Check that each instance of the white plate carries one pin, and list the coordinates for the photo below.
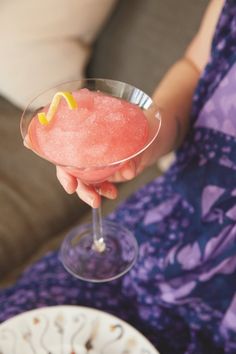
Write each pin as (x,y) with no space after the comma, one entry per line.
(70,330)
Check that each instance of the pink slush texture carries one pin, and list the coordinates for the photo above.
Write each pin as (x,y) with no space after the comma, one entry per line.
(102,130)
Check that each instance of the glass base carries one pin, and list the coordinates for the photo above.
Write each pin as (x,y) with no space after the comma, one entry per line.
(81,259)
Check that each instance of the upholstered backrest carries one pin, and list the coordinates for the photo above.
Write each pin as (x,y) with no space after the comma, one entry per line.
(143,38)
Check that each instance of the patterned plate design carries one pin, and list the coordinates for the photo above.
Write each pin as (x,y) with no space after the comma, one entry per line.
(70,330)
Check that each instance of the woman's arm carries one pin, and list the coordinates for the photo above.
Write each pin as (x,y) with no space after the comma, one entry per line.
(174,97)
(174,93)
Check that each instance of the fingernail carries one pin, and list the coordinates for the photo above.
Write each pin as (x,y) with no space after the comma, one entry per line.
(93,203)
(98,190)
(129,172)
(26,142)
(111,193)
(68,187)
(86,198)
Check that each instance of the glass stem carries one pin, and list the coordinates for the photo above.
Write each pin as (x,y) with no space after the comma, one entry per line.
(98,240)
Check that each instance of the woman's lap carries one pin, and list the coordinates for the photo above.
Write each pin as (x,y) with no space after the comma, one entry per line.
(46,283)
(171,324)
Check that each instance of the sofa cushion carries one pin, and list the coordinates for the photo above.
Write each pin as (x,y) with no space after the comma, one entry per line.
(33,205)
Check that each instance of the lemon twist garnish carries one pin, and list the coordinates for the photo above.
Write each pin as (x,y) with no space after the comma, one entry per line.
(71,102)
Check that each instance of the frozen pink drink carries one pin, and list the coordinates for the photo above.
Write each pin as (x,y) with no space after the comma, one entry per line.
(100,131)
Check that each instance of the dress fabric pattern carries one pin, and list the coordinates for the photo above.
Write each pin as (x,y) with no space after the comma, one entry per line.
(181,293)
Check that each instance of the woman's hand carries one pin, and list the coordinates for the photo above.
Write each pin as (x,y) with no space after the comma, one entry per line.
(88,193)
(91,195)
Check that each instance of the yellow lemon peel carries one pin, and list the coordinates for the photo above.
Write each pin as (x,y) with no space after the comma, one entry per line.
(44,118)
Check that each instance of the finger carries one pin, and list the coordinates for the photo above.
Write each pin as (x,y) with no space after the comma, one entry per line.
(128,171)
(88,194)
(27,142)
(125,173)
(68,182)
(108,190)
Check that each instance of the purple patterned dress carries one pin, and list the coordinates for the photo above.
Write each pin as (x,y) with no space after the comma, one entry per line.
(182,291)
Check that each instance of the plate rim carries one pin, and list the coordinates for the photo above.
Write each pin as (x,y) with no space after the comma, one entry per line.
(83,308)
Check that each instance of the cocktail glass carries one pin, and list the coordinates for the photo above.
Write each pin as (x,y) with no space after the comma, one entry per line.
(103,250)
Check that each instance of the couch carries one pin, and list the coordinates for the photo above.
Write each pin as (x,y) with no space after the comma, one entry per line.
(139,42)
